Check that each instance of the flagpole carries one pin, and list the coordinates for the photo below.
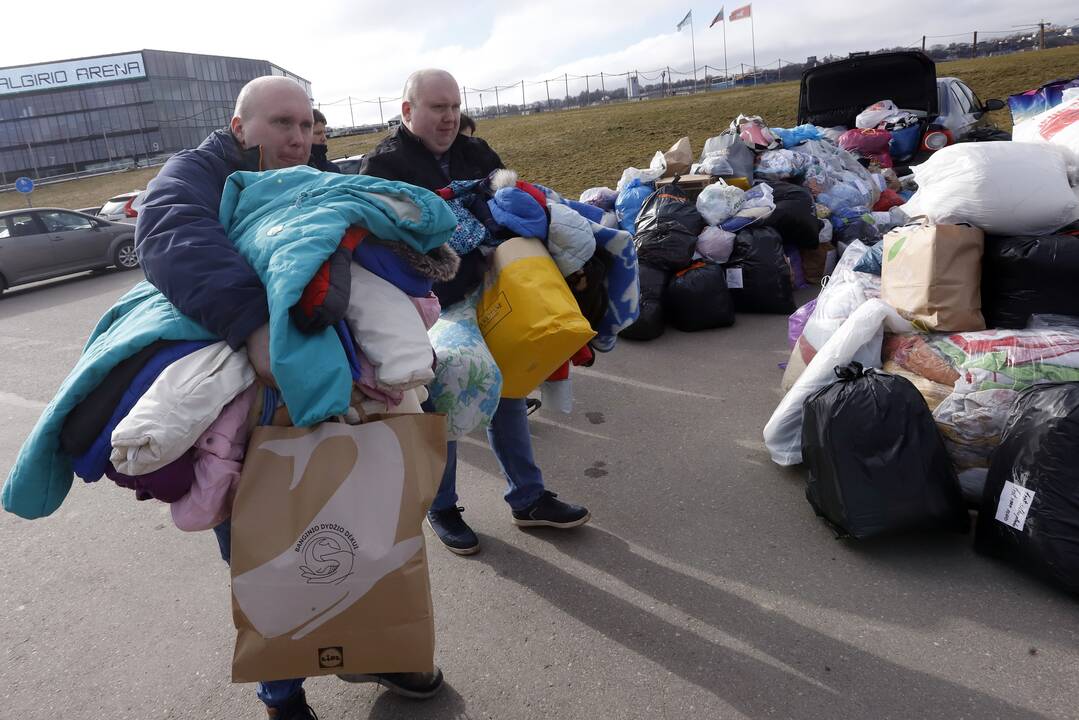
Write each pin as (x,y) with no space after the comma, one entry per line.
(726,72)
(693,50)
(753,38)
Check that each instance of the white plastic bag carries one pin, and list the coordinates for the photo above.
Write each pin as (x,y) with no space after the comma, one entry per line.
(645,176)
(875,114)
(859,340)
(716,244)
(1004,188)
(719,201)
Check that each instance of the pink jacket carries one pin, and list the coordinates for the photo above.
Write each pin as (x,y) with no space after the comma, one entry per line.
(219,455)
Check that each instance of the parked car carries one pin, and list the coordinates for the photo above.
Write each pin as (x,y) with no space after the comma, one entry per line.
(120,208)
(90,210)
(42,243)
(349,165)
(834,93)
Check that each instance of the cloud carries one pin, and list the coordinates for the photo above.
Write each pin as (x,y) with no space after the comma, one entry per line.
(366,49)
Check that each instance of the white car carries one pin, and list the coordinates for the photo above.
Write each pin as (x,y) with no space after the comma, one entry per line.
(120,208)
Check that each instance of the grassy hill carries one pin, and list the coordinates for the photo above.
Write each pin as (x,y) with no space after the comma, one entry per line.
(576,149)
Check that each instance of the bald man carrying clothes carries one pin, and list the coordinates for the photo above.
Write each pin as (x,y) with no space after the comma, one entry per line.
(186,254)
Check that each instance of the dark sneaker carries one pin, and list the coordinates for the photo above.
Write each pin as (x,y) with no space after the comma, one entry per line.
(549,511)
(453,531)
(416,686)
(532,405)
(295,708)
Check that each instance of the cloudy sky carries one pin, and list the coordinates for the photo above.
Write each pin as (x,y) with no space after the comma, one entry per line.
(365,49)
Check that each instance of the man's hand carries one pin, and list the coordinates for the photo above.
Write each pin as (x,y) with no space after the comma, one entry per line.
(258,352)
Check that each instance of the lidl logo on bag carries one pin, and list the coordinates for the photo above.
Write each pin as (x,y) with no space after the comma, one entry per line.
(498,311)
(328,553)
(331,657)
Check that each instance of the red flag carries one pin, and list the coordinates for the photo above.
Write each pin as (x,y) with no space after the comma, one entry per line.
(717,18)
(741,13)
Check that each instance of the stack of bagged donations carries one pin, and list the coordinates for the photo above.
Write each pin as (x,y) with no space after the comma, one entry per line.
(938,369)
(358,341)
(761,214)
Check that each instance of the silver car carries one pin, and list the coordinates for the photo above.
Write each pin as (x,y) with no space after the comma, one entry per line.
(41,243)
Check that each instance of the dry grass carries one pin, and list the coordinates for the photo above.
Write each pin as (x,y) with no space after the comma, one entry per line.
(573,150)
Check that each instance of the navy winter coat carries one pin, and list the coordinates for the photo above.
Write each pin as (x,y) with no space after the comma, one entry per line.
(183,248)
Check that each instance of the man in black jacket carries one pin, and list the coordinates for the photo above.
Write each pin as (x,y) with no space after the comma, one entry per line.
(427,150)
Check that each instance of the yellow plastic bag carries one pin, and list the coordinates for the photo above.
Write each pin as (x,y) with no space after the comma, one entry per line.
(528,316)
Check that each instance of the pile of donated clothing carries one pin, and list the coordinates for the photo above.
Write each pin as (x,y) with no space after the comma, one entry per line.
(948,352)
(761,213)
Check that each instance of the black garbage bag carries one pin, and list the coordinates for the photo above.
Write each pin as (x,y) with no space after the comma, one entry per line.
(1026,275)
(667,228)
(650,323)
(758,275)
(1030,505)
(795,216)
(698,298)
(877,464)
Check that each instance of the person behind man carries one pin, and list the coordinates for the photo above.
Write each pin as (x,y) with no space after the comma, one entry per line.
(468,126)
(318,145)
(428,150)
(186,254)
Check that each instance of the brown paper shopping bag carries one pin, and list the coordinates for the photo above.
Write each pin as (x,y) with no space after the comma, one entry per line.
(329,571)
(931,275)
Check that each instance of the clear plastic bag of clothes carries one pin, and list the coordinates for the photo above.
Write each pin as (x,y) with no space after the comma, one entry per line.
(782,165)
(844,292)
(986,371)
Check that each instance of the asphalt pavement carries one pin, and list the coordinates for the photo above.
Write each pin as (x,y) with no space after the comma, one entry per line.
(704,587)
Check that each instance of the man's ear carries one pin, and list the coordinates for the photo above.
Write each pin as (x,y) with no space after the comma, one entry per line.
(237,127)
(406,112)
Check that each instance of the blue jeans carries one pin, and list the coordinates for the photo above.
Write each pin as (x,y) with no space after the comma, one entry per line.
(509,439)
(275,692)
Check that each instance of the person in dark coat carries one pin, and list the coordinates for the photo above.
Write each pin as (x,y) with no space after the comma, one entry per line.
(429,150)
(318,145)
(185,253)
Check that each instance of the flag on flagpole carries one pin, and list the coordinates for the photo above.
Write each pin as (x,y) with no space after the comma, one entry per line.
(717,18)
(741,13)
(685,20)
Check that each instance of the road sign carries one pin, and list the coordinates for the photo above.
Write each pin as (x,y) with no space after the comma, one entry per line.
(24,185)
